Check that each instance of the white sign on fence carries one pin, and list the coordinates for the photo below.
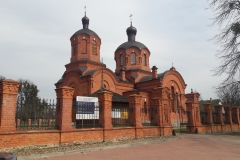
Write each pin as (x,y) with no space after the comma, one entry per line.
(87,108)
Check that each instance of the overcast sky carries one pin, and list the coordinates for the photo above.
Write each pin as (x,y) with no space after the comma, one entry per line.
(35,45)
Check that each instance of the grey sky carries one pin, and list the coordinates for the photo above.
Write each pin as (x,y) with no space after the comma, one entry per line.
(35,44)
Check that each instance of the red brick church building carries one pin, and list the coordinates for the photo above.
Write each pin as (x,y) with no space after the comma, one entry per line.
(133,74)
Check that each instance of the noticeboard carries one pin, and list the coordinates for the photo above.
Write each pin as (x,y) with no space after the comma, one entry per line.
(87,108)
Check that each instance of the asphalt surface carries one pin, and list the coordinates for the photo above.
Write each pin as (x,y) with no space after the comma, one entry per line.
(183,147)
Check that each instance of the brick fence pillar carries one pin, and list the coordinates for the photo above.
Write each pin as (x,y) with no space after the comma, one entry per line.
(158,117)
(208,117)
(105,103)
(191,115)
(228,114)
(64,108)
(161,102)
(135,102)
(193,109)
(218,109)
(235,111)
(8,102)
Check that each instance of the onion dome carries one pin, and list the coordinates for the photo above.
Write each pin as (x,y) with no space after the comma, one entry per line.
(85,30)
(85,21)
(131,32)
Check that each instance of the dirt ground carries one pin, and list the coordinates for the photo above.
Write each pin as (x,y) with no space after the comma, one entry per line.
(185,147)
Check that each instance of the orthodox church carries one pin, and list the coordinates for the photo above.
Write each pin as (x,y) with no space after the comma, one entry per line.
(133,74)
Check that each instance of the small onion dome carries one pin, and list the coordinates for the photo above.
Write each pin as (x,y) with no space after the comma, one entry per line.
(85,21)
(131,30)
(85,30)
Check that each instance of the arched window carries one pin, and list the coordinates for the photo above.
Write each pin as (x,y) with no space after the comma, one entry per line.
(121,60)
(133,58)
(144,60)
(84,46)
(94,48)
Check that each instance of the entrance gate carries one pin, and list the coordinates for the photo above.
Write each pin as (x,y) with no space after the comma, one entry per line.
(184,120)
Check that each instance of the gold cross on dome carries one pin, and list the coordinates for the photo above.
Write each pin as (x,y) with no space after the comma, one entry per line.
(85,10)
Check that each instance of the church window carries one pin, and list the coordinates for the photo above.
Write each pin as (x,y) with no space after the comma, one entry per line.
(121,60)
(94,48)
(84,46)
(133,58)
(144,60)
(75,50)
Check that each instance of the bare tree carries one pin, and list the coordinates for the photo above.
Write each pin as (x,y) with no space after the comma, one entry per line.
(229,94)
(227,16)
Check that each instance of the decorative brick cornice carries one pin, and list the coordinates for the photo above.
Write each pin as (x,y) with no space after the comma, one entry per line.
(157,92)
(207,106)
(105,96)
(160,92)
(134,99)
(155,101)
(9,86)
(192,97)
(227,108)
(218,107)
(64,92)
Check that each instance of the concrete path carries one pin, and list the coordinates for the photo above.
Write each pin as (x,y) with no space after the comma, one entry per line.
(188,146)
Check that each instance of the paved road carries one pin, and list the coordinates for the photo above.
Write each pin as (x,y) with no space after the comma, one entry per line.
(188,146)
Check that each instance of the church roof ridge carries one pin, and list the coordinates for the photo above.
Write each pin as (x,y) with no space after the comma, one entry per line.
(129,44)
(85,31)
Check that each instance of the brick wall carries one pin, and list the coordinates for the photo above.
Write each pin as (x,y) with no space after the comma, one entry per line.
(10,137)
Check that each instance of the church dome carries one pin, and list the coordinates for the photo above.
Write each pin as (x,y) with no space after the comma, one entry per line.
(131,32)
(129,44)
(85,30)
(85,20)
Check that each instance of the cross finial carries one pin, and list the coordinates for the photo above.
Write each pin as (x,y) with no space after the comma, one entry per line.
(172,64)
(85,10)
(131,18)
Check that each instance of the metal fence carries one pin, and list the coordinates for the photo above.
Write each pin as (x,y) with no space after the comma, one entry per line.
(40,115)
(225,118)
(203,116)
(234,117)
(215,118)
(86,115)
(147,114)
(121,114)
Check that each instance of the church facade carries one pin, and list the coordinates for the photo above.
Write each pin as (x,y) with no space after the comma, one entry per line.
(133,74)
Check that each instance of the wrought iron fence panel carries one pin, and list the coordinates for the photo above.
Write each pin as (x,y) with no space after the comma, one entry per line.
(215,117)
(184,123)
(234,117)
(121,114)
(147,114)
(188,116)
(203,117)
(36,116)
(86,115)
(225,117)
(184,113)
